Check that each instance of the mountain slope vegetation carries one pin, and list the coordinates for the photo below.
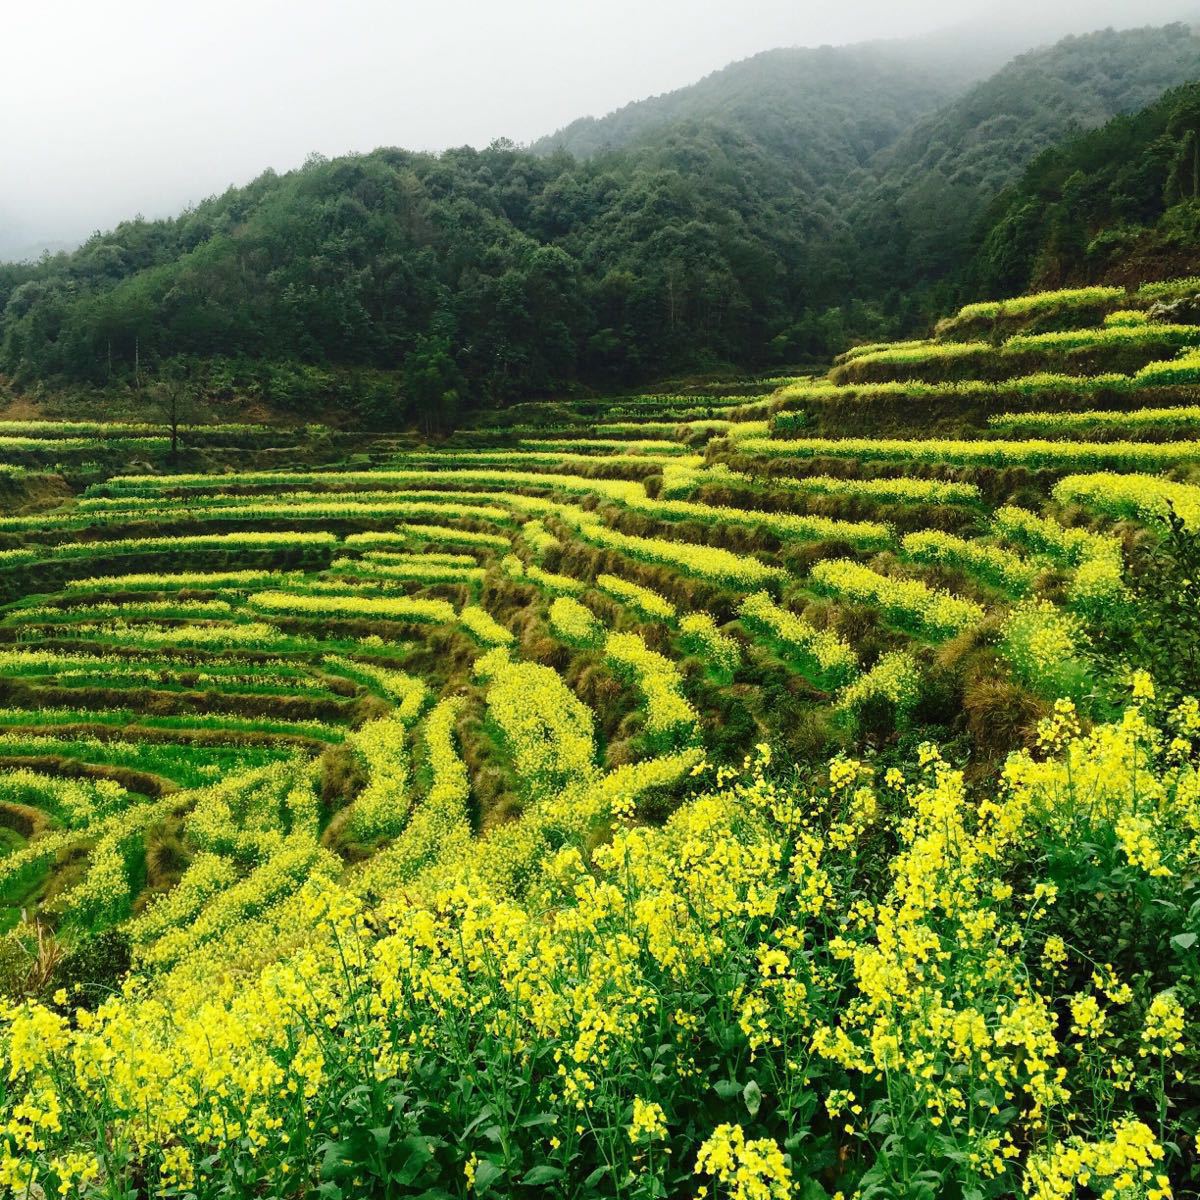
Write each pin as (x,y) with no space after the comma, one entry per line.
(934,184)
(1114,203)
(801,101)
(780,210)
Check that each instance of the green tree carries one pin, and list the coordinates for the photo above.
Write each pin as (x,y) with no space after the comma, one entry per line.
(1184,182)
(433,384)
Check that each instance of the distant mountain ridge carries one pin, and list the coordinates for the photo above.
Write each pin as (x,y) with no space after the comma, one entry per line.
(932,186)
(763,216)
(777,81)
(951,60)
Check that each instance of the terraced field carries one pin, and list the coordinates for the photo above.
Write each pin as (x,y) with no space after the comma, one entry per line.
(304,682)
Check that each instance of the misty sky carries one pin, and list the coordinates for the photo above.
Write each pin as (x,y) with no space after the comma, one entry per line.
(116,107)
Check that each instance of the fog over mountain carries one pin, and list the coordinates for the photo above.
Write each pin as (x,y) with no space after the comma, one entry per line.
(138,107)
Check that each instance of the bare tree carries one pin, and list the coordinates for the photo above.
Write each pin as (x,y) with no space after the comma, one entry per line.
(174,397)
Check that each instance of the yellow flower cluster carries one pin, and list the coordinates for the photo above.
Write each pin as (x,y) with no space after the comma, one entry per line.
(699,635)
(208,875)
(1125,1164)
(1098,584)
(575,623)
(485,627)
(153,582)
(1145,497)
(1163,1030)
(702,562)
(538,538)
(1143,333)
(817,652)
(1063,300)
(174,546)
(1127,316)
(670,716)
(1031,452)
(450,787)
(549,732)
(1046,647)
(649,1121)
(894,680)
(998,567)
(884,491)
(414,569)
(643,600)
(381,808)
(1185,417)
(409,532)
(354,607)
(410,693)
(737,941)
(907,601)
(74,802)
(562,585)
(748,1169)
(866,535)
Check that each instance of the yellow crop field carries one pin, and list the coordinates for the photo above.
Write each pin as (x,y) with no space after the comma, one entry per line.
(730,807)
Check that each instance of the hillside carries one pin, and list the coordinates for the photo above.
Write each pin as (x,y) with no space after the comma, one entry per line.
(932,187)
(739,788)
(781,212)
(1114,204)
(798,101)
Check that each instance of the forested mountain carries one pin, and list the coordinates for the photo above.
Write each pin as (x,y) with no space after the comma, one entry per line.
(935,182)
(788,203)
(818,104)
(493,270)
(1118,202)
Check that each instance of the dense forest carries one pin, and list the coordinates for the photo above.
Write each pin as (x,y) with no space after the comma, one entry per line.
(933,186)
(1118,202)
(781,207)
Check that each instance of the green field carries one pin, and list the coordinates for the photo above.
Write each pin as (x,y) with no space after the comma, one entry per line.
(793,794)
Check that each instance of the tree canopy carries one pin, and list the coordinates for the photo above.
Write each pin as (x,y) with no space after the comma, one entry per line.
(777,209)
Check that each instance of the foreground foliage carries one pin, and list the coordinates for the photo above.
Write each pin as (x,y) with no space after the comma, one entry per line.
(882,981)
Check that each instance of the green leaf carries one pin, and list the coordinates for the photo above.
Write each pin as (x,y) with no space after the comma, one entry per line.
(543,1174)
(486,1173)
(419,1153)
(538,1119)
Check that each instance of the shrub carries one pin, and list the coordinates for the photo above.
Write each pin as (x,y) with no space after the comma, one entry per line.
(1047,649)
(818,653)
(575,624)
(906,601)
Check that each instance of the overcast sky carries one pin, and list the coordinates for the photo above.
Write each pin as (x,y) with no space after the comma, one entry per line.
(113,107)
